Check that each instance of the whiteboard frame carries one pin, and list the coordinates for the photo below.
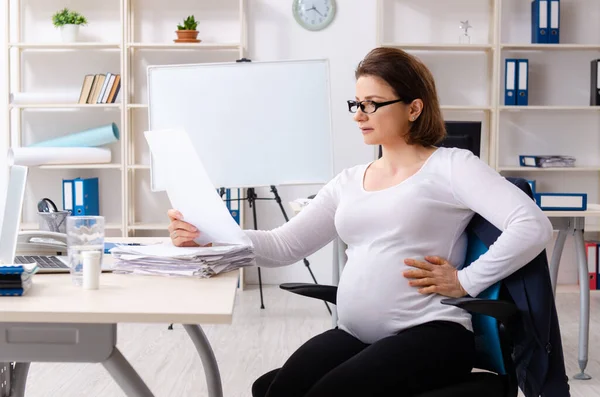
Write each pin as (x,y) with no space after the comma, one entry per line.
(151,68)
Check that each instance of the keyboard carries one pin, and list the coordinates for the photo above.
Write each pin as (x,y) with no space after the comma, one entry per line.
(44,262)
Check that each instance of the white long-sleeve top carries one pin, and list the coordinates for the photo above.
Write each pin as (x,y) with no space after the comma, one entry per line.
(425,214)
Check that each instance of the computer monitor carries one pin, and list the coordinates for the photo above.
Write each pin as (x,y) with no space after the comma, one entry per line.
(464,135)
(461,134)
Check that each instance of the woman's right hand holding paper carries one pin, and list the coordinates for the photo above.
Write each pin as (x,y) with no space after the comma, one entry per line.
(182,233)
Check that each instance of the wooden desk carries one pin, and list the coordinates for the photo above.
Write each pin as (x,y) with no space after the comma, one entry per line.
(59,322)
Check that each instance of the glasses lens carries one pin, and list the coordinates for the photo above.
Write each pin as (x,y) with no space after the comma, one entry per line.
(368,107)
(352,106)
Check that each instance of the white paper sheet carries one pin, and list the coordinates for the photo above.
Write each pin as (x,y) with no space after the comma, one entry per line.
(32,156)
(190,190)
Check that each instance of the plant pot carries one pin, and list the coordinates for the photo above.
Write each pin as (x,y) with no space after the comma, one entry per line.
(69,33)
(187,36)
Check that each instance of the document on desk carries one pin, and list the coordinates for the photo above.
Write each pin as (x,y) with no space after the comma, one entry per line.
(190,190)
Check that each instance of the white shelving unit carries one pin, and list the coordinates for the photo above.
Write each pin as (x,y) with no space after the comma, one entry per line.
(558,119)
(122,36)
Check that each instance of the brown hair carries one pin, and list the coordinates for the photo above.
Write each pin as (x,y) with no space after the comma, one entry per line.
(410,79)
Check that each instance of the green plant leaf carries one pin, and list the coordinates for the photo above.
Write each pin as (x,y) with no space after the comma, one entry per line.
(68,17)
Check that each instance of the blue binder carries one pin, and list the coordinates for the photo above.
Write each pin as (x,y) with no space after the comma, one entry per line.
(539,21)
(532,185)
(522,82)
(554,21)
(233,203)
(510,82)
(85,197)
(67,199)
(562,201)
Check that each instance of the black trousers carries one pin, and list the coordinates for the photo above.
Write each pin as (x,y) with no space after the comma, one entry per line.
(334,363)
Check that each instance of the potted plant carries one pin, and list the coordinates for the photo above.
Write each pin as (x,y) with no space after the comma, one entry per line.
(68,21)
(187,32)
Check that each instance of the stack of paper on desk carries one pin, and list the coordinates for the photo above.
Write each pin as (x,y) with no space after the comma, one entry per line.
(169,260)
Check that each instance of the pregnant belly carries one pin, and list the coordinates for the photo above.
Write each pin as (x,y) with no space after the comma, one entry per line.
(373,302)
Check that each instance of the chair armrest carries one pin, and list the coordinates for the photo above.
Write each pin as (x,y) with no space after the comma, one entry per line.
(499,309)
(327,293)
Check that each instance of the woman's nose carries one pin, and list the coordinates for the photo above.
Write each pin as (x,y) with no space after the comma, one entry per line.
(360,115)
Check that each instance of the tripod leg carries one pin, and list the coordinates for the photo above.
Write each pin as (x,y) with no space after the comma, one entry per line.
(252,202)
(306,263)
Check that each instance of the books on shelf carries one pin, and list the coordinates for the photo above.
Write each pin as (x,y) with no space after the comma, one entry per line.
(100,88)
(546,161)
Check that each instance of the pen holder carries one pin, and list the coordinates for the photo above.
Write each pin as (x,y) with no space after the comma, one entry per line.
(53,221)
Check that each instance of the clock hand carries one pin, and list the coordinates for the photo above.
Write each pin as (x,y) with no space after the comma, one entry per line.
(317,11)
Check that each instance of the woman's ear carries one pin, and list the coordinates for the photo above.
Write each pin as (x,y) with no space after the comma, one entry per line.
(415,109)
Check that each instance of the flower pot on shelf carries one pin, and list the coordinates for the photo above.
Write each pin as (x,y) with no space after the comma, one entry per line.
(69,33)
(186,36)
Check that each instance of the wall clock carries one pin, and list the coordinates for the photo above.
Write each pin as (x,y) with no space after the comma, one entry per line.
(314,14)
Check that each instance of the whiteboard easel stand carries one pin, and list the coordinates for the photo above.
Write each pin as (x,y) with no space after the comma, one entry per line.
(252,197)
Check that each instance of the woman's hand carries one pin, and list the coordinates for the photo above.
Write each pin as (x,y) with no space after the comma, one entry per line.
(436,275)
(182,233)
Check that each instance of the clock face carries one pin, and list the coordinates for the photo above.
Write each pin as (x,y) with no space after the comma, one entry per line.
(314,14)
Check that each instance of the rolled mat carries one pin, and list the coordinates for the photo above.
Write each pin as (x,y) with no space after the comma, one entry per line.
(98,136)
(57,155)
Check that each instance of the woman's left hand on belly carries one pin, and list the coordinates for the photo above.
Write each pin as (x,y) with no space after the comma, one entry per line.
(436,276)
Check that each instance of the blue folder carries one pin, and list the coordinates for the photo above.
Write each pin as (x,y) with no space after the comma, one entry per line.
(554,21)
(510,82)
(539,21)
(562,201)
(85,197)
(522,82)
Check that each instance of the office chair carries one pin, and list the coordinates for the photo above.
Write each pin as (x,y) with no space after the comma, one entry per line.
(492,312)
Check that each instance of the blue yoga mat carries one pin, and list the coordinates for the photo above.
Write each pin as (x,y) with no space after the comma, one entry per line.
(98,136)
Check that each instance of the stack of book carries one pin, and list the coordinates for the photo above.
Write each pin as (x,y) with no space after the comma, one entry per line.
(100,88)
(16,280)
(547,161)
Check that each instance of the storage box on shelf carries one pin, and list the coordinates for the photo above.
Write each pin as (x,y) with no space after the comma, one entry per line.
(123,37)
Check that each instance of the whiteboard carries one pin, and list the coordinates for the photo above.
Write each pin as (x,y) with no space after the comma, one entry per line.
(252,123)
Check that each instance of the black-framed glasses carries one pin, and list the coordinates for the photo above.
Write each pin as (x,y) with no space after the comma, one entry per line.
(368,106)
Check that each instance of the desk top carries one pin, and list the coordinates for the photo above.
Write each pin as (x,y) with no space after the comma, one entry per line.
(124,298)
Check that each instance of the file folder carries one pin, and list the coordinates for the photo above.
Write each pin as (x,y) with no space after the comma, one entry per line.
(510,82)
(522,82)
(561,201)
(595,83)
(554,21)
(539,21)
(67,189)
(85,197)
(233,203)
(591,250)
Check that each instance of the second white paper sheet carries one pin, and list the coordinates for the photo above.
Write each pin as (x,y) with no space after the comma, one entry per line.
(190,190)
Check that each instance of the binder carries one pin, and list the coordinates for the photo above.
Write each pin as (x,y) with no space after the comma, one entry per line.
(85,197)
(561,201)
(539,21)
(232,199)
(591,251)
(554,21)
(510,82)
(522,82)
(67,199)
(595,83)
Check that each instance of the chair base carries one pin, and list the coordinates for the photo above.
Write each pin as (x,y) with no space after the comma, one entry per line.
(478,384)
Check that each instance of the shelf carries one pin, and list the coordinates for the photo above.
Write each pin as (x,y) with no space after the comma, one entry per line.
(35,226)
(474,108)
(550,47)
(138,167)
(65,46)
(185,46)
(440,47)
(550,108)
(149,226)
(554,169)
(79,166)
(67,106)
(137,106)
